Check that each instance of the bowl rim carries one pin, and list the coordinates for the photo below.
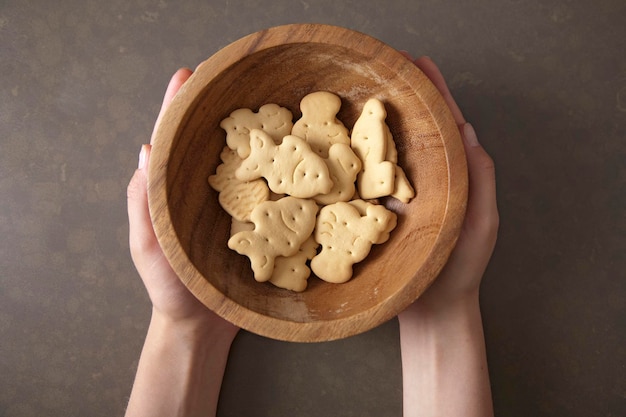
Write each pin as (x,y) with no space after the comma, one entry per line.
(273,327)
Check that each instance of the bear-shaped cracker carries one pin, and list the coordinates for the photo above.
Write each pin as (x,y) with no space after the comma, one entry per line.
(346,236)
(280,228)
(273,119)
(319,125)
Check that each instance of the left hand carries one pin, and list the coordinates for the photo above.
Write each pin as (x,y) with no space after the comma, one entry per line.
(170,298)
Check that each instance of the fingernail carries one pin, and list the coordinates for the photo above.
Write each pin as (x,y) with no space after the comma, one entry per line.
(406,54)
(142,157)
(470,135)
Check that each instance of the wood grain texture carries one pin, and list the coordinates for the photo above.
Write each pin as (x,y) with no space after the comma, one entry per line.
(281,65)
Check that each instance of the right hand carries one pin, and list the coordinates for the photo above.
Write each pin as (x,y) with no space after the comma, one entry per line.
(462,274)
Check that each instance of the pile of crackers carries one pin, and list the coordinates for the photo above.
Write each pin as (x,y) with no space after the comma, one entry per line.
(292,188)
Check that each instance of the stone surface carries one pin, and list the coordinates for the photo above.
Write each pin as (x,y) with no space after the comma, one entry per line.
(544,83)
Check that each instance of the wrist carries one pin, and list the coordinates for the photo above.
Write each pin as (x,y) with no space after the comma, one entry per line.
(181,367)
(203,331)
(444,363)
(435,308)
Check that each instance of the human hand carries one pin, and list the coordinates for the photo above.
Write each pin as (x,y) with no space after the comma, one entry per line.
(186,349)
(461,276)
(171,300)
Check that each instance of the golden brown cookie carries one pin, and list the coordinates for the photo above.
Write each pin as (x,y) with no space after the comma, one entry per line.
(319,125)
(290,168)
(291,272)
(236,197)
(280,228)
(276,121)
(346,237)
(369,141)
(343,167)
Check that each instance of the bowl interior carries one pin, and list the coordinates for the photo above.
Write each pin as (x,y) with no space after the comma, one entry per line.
(193,229)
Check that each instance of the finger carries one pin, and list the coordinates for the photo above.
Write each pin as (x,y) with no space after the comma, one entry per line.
(141,236)
(482,207)
(141,233)
(177,81)
(430,69)
(482,196)
(407,55)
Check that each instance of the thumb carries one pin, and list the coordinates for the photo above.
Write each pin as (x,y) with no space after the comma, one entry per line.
(482,208)
(176,82)
(141,234)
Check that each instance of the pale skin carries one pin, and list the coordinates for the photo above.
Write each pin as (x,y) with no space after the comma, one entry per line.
(444,361)
(184,355)
(443,351)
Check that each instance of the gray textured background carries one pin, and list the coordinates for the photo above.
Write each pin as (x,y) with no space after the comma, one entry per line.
(544,83)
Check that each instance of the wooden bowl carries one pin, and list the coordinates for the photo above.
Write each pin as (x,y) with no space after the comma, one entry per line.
(281,65)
